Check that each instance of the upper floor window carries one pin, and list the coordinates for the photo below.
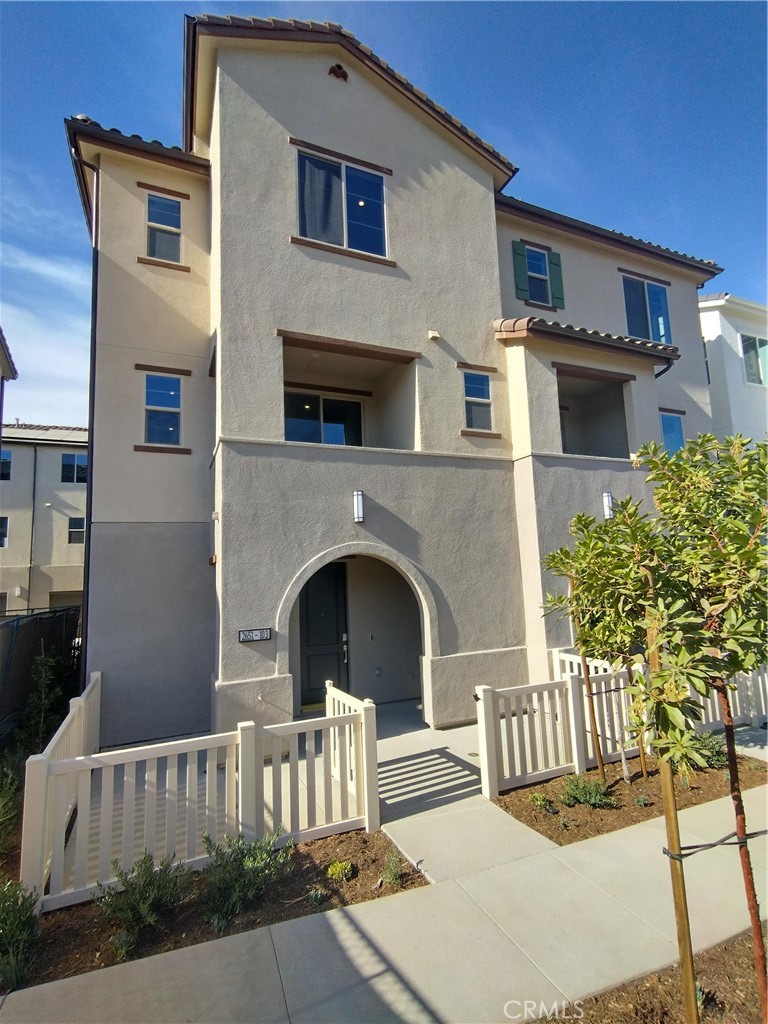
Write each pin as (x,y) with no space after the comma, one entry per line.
(755,359)
(477,401)
(76,530)
(3,531)
(647,310)
(322,420)
(341,205)
(5,464)
(162,423)
(74,468)
(163,228)
(538,275)
(672,430)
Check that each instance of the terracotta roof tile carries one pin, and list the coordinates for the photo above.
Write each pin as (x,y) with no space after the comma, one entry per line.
(522,325)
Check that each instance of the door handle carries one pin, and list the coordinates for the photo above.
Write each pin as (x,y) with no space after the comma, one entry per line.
(344,651)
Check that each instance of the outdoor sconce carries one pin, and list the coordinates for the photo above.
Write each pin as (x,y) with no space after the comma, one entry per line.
(607,505)
(357,507)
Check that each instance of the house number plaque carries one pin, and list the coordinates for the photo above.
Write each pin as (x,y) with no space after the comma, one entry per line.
(246,635)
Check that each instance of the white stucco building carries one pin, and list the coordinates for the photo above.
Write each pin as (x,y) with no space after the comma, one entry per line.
(735,333)
(347,394)
(43,484)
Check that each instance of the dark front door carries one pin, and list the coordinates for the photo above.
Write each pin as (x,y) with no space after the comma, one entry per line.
(323,615)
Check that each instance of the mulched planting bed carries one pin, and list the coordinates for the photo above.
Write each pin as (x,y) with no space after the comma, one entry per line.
(77,939)
(572,824)
(725,975)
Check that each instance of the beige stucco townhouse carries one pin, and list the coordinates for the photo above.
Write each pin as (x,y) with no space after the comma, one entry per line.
(346,394)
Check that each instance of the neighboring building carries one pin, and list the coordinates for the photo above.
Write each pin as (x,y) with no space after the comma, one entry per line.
(8,371)
(42,516)
(337,395)
(735,333)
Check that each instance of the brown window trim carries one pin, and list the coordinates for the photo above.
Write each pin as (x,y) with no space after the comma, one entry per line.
(163,263)
(539,305)
(324,387)
(536,245)
(338,156)
(480,433)
(340,250)
(644,277)
(590,373)
(161,449)
(162,190)
(212,560)
(162,369)
(673,412)
(318,343)
(476,366)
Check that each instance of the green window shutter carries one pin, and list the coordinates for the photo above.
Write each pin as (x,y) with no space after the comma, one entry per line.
(521,270)
(556,280)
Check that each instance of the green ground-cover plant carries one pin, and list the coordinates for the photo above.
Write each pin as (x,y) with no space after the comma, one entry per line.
(19,931)
(392,872)
(238,872)
(341,870)
(591,792)
(713,749)
(316,897)
(142,895)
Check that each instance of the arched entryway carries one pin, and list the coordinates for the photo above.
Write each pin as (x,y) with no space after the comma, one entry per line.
(359,620)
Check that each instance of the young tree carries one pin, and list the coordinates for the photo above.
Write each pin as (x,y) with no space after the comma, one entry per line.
(684,591)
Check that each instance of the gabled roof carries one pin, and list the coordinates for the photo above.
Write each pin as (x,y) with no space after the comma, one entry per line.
(511,329)
(8,369)
(326,33)
(559,221)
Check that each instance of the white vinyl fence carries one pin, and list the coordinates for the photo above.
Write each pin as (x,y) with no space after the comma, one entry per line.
(85,810)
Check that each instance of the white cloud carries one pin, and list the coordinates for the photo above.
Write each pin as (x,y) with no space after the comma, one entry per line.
(50,350)
(62,271)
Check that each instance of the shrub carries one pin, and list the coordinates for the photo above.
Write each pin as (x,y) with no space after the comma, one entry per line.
(341,870)
(590,792)
(393,870)
(539,801)
(711,746)
(9,805)
(316,897)
(237,873)
(19,929)
(643,800)
(147,893)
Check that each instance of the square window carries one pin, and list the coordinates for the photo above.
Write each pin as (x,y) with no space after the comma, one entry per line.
(77,530)
(477,401)
(341,205)
(74,468)
(672,431)
(320,420)
(647,310)
(164,229)
(162,418)
(3,531)
(5,464)
(755,352)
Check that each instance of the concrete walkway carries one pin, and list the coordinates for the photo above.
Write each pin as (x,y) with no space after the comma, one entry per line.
(511,919)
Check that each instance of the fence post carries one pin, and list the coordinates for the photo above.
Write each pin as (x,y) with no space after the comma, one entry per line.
(77,710)
(34,824)
(94,714)
(487,720)
(370,780)
(246,780)
(577,723)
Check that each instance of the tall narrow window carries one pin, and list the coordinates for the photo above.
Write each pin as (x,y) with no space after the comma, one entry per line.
(647,310)
(341,205)
(538,275)
(672,431)
(74,468)
(77,530)
(755,359)
(477,401)
(3,531)
(5,464)
(163,410)
(163,228)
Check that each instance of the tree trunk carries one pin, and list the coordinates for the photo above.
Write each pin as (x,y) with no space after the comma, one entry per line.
(629,667)
(741,832)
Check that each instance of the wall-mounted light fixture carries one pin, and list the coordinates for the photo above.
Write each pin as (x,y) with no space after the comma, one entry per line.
(607,505)
(357,507)
(17,591)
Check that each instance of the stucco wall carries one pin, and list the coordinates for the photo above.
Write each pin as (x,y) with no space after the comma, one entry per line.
(738,406)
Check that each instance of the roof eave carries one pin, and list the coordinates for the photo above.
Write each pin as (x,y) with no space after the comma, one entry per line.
(519,328)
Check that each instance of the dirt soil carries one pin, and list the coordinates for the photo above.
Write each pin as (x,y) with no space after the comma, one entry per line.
(726,978)
(77,939)
(572,824)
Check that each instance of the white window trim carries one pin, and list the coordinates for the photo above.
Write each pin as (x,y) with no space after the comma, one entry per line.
(153,225)
(539,277)
(72,529)
(162,408)
(343,164)
(4,539)
(645,283)
(678,416)
(333,396)
(477,401)
(747,381)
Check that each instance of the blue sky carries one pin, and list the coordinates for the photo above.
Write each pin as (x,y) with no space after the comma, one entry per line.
(645,117)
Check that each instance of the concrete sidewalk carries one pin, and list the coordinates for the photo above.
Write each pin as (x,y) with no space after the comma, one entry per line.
(543,925)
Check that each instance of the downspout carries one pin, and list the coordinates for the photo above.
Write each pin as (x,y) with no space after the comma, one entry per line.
(668,367)
(32,527)
(91,404)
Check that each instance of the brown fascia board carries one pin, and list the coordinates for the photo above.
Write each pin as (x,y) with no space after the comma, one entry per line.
(559,221)
(518,328)
(325,33)
(94,134)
